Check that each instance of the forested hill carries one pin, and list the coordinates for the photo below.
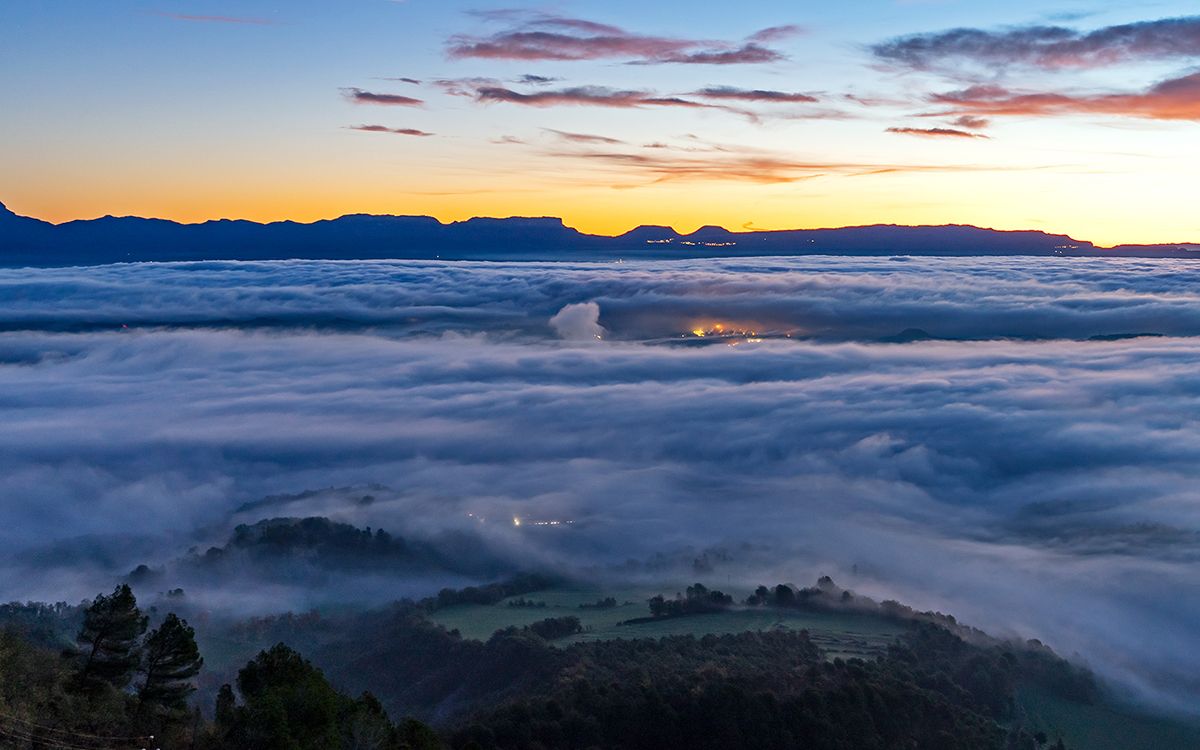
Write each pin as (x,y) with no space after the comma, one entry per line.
(30,242)
(307,550)
(101,682)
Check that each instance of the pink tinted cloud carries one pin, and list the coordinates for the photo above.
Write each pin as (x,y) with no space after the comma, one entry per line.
(936,132)
(595,96)
(971,122)
(776,33)
(584,137)
(1172,99)
(662,162)
(533,36)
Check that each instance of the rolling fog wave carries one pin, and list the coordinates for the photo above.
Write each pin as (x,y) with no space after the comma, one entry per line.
(1034,473)
(829,298)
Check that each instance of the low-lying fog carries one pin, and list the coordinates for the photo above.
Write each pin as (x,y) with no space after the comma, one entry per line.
(980,436)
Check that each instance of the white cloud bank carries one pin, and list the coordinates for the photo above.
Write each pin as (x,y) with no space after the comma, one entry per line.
(1042,485)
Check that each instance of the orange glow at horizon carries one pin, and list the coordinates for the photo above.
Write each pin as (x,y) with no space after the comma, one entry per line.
(998,201)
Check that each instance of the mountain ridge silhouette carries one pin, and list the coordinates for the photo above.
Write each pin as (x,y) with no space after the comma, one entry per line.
(26,241)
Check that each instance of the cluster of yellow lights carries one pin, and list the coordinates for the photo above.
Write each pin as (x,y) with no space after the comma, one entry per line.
(720,329)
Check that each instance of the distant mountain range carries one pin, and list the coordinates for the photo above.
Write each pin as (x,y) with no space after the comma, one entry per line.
(26,241)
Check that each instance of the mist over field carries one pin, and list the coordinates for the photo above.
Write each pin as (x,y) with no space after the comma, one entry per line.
(1011,441)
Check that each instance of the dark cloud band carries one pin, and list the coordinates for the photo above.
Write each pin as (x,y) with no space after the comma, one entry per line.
(1049,46)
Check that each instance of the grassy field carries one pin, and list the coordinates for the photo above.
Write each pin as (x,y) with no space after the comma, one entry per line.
(1103,727)
(839,635)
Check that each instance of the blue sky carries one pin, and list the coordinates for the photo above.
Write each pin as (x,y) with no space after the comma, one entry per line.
(196,110)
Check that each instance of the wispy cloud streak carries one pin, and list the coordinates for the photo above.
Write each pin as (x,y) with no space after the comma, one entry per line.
(585,137)
(538,36)
(660,163)
(936,132)
(732,93)
(596,96)
(393,131)
(359,96)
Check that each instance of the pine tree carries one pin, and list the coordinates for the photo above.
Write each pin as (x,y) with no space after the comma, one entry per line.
(288,704)
(171,660)
(108,641)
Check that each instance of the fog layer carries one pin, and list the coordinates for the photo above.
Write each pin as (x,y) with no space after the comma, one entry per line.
(1033,472)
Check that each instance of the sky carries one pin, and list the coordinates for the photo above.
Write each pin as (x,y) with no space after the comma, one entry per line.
(1074,116)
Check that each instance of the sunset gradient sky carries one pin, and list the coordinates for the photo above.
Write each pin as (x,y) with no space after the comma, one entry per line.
(1079,117)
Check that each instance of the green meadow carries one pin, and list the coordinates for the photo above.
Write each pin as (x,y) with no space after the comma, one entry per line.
(843,635)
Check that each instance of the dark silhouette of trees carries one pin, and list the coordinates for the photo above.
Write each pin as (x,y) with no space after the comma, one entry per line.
(523,603)
(697,599)
(171,659)
(492,593)
(109,645)
(289,705)
(607,602)
(553,628)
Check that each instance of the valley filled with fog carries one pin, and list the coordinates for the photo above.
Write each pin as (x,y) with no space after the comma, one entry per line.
(1012,441)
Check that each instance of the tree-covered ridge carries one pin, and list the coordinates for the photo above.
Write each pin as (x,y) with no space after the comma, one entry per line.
(312,548)
(317,540)
(754,690)
(773,689)
(825,596)
(51,625)
(933,688)
(828,596)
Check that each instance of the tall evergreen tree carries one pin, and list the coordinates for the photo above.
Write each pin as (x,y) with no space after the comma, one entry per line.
(108,642)
(171,660)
